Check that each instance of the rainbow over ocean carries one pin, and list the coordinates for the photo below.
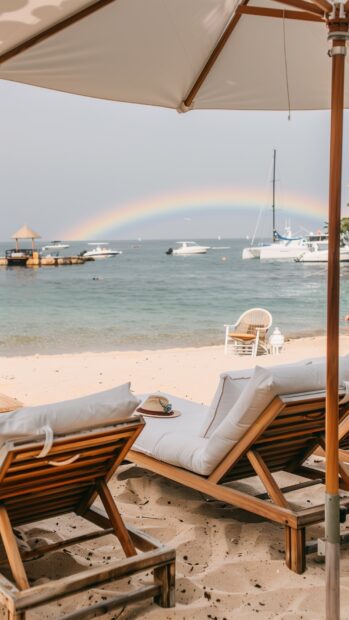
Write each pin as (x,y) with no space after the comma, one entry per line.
(203,199)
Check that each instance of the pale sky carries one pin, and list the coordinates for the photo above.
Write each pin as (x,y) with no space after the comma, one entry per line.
(65,159)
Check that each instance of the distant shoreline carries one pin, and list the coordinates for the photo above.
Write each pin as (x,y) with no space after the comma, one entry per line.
(28,351)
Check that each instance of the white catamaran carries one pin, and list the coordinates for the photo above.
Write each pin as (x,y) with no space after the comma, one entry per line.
(286,246)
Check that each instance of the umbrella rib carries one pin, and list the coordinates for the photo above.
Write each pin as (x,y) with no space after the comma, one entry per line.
(54,29)
(323,4)
(280,13)
(213,57)
(303,5)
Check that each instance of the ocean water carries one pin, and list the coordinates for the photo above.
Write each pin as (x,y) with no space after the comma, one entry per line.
(146,299)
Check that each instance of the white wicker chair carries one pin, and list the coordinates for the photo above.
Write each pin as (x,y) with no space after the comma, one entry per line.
(248,336)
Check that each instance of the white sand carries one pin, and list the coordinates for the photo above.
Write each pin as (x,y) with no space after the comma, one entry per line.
(230,564)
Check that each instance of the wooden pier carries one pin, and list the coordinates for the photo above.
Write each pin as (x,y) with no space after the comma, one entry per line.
(32,258)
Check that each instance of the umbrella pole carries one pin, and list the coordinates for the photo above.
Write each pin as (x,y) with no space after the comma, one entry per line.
(338,34)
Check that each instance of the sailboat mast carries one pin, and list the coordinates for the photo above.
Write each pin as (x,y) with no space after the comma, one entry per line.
(273,206)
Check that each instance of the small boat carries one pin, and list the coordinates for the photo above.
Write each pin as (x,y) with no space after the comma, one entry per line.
(100,252)
(56,245)
(188,248)
(318,253)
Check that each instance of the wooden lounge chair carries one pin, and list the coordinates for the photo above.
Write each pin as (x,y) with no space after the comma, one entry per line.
(69,479)
(284,435)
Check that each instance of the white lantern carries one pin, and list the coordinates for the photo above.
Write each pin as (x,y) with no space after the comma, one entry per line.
(276,341)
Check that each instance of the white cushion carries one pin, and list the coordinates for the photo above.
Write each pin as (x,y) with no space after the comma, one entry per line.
(71,415)
(228,391)
(209,451)
(188,424)
(259,391)
(180,445)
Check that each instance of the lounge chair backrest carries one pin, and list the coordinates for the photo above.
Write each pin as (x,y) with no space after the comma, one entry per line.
(266,386)
(34,488)
(230,387)
(71,415)
(296,429)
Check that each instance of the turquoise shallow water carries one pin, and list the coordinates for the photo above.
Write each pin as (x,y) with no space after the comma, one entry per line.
(145,299)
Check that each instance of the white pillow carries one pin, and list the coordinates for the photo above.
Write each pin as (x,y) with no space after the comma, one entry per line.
(231,385)
(228,391)
(71,415)
(258,393)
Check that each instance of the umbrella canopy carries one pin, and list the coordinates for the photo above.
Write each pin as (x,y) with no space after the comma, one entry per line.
(204,54)
(274,54)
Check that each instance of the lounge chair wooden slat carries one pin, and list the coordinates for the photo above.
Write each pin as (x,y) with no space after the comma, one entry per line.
(34,489)
(286,433)
(68,502)
(282,447)
(59,480)
(36,473)
(37,501)
(344,473)
(343,455)
(18,499)
(36,517)
(65,451)
(292,430)
(63,445)
(39,463)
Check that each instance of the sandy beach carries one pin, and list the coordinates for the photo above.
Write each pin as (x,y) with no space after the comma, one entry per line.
(229,563)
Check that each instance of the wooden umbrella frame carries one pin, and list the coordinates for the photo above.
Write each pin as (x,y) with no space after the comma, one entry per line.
(336,17)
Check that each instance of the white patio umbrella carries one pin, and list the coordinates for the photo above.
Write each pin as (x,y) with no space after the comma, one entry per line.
(203,54)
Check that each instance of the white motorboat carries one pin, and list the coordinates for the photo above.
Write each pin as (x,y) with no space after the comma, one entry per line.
(100,251)
(188,248)
(318,253)
(56,245)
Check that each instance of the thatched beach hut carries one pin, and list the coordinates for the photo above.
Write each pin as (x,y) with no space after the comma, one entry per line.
(25,233)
